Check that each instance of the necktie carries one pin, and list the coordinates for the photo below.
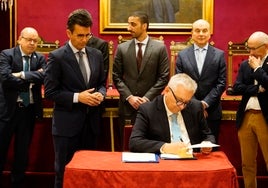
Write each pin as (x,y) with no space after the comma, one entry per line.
(200,57)
(82,65)
(139,56)
(25,96)
(175,129)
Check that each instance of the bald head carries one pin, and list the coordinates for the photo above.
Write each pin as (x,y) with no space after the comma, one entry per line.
(259,36)
(201,32)
(201,24)
(28,40)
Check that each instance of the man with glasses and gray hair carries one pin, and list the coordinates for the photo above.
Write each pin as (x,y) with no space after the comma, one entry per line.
(252,114)
(153,129)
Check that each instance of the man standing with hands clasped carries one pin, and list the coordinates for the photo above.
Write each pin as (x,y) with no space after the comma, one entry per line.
(75,81)
(206,65)
(252,114)
(140,71)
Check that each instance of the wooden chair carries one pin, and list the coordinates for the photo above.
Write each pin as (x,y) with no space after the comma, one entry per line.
(237,52)
(175,48)
(127,133)
(45,47)
(112,95)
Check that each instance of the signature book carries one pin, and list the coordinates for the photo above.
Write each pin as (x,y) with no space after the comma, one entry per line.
(132,157)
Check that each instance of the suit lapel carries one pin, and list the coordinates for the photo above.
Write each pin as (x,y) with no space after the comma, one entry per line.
(147,55)
(192,61)
(208,59)
(71,59)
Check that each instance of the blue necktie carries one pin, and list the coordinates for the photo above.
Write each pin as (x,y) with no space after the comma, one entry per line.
(25,96)
(175,129)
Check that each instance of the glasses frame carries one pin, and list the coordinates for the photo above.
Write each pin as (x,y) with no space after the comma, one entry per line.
(35,41)
(249,48)
(179,102)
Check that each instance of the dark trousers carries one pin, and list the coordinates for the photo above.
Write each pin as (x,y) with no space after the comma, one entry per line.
(65,147)
(21,126)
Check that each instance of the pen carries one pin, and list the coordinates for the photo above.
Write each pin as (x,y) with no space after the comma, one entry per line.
(181,139)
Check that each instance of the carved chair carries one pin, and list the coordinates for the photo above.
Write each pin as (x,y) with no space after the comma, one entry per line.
(45,47)
(237,53)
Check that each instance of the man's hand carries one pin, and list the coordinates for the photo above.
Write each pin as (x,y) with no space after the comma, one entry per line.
(254,62)
(17,74)
(206,150)
(90,98)
(136,101)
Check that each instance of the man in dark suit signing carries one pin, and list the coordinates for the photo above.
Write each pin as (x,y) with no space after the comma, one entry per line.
(21,76)
(154,131)
(141,69)
(75,81)
(206,65)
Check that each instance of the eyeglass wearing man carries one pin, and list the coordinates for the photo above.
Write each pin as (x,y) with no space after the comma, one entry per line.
(152,129)
(252,114)
(19,116)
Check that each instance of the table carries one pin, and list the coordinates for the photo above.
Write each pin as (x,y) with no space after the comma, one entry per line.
(105,169)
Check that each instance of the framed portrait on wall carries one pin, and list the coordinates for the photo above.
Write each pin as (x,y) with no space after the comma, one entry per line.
(168,16)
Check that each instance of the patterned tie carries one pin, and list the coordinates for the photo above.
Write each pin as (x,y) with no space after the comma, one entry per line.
(25,96)
(139,56)
(175,129)
(82,66)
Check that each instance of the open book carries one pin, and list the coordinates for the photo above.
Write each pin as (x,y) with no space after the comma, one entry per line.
(131,157)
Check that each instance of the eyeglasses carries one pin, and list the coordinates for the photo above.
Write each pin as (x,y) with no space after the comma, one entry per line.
(252,48)
(178,101)
(82,36)
(35,41)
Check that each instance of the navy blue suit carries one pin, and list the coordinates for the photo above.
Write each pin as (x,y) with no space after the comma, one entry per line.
(151,129)
(75,125)
(211,82)
(15,119)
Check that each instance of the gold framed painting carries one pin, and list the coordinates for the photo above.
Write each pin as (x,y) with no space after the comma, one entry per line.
(166,16)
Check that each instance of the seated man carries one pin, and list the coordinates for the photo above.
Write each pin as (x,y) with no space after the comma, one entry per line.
(153,129)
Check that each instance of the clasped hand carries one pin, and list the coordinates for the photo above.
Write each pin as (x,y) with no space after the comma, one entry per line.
(91,98)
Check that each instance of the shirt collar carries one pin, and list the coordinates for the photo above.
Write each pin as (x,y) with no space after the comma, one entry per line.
(23,54)
(197,47)
(145,41)
(75,50)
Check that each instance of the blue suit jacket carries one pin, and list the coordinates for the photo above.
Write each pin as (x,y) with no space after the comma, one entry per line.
(212,81)
(11,61)
(63,79)
(244,85)
(151,128)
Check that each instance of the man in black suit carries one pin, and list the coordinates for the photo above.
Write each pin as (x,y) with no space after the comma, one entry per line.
(153,132)
(252,114)
(206,65)
(75,81)
(21,75)
(101,45)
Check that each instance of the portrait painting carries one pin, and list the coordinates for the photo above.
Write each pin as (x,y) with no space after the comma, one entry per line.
(170,16)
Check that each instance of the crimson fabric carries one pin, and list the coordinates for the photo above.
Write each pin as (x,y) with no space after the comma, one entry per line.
(105,169)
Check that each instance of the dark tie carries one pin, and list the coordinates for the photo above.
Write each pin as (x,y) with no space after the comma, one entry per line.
(25,96)
(139,56)
(175,129)
(82,65)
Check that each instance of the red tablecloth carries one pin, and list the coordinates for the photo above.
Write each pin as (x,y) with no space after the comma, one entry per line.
(106,169)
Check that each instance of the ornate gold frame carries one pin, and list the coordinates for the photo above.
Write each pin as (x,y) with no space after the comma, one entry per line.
(107,27)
